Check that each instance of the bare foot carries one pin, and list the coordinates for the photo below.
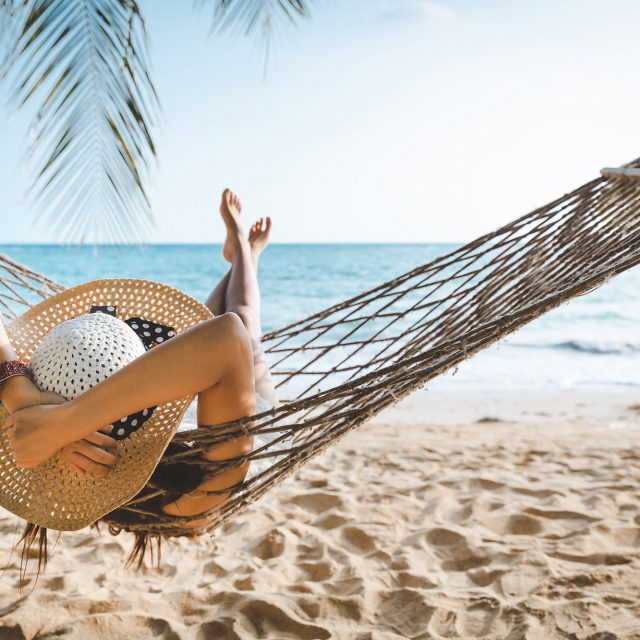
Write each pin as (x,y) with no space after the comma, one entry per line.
(230,209)
(259,237)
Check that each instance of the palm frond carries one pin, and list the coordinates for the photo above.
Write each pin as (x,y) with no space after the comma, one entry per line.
(10,17)
(264,17)
(85,64)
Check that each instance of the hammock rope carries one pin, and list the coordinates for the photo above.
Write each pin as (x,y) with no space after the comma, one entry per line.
(337,368)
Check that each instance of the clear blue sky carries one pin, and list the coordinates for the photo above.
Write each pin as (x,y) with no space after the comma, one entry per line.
(379,120)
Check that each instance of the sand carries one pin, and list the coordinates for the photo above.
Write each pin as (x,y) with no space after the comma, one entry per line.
(476,517)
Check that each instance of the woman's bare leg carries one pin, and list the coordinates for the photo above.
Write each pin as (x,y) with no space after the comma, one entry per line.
(258,239)
(243,290)
(215,301)
(242,297)
(237,292)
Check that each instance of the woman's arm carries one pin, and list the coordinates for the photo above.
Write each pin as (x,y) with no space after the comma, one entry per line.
(18,392)
(197,359)
(6,350)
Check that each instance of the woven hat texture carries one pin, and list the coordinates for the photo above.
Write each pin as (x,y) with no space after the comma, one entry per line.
(82,351)
(52,495)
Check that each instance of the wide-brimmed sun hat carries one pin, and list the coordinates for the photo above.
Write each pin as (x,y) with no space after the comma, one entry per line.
(73,340)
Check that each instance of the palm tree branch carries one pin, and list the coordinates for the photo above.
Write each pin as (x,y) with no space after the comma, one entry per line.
(84,64)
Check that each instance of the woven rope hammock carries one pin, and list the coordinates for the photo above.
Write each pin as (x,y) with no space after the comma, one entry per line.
(339,367)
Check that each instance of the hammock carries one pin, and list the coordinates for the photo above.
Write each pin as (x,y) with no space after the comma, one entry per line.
(337,368)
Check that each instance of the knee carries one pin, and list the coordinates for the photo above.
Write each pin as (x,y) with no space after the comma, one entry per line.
(235,336)
(230,326)
(246,316)
(233,321)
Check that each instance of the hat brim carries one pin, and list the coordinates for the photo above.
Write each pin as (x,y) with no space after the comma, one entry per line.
(52,495)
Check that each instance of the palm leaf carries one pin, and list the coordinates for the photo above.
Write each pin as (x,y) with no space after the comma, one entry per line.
(10,13)
(264,17)
(85,63)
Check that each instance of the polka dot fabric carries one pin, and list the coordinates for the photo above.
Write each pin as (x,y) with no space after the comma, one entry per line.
(52,495)
(150,334)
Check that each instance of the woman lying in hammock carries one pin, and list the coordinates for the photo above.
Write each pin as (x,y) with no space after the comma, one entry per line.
(221,360)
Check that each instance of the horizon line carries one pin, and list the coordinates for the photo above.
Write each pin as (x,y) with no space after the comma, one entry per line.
(208,244)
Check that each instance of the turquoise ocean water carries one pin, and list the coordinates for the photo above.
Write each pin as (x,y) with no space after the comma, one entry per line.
(592,341)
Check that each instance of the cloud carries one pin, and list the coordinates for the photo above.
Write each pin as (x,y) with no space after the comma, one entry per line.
(413,10)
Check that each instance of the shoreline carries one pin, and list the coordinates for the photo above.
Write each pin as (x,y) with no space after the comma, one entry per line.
(613,406)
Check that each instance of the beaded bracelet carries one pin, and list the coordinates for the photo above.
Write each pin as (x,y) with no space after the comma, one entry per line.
(13,368)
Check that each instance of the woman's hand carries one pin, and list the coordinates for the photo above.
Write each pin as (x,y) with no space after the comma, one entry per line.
(36,433)
(91,455)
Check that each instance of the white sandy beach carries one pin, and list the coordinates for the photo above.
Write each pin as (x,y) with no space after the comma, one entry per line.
(477,517)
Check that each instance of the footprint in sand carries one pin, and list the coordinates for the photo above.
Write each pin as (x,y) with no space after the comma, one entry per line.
(272,621)
(332,608)
(358,539)
(517,524)
(224,627)
(413,581)
(622,536)
(476,618)
(318,501)
(57,583)
(561,514)
(116,625)
(486,484)
(244,584)
(346,587)
(312,549)
(330,521)
(536,493)
(479,618)
(454,550)
(271,546)
(404,611)
(607,559)
(318,571)
(483,577)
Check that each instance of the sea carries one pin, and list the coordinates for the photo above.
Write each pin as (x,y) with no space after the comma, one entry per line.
(590,342)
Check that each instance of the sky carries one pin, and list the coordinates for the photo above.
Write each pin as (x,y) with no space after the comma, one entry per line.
(377,120)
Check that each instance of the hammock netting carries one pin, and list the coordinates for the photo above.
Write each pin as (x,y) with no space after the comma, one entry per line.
(337,368)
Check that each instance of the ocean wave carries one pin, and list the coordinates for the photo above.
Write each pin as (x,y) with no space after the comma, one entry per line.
(597,347)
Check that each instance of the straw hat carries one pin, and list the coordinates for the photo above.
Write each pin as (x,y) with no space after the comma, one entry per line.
(63,339)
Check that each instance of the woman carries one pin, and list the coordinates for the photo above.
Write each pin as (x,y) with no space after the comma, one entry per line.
(221,360)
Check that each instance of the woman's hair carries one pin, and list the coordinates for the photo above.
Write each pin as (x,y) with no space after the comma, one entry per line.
(33,534)
(171,479)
